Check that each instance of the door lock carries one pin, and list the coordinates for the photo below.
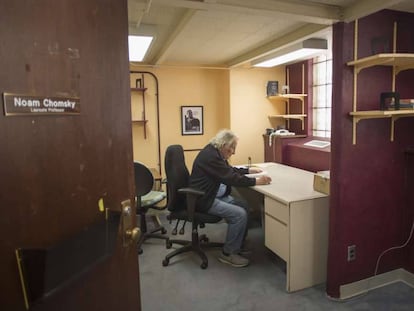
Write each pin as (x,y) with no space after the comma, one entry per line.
(131,234)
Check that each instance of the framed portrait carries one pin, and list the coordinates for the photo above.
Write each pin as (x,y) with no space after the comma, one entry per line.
(191,120)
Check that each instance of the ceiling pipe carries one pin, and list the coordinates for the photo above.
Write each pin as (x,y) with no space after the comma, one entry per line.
(143,12)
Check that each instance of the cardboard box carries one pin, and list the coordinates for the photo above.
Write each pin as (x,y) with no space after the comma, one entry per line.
(321,181)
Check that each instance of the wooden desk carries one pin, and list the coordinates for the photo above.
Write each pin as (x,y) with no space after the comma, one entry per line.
(296,222)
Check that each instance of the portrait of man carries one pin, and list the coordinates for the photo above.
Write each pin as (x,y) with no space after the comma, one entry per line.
(191,123)
(192,120)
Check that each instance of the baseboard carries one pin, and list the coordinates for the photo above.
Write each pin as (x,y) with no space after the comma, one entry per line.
(363,286)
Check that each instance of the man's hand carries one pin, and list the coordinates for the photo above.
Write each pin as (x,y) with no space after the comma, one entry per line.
(263,180)
(255,170)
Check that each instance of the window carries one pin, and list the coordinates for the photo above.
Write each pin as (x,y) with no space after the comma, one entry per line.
(322,95)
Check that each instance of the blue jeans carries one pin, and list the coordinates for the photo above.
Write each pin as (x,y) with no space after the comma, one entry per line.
(235,214)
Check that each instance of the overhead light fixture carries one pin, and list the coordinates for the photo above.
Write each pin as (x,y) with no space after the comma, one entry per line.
(295,52)
(138,47)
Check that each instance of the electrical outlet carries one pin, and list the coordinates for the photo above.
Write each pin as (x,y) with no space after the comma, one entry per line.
(351,252)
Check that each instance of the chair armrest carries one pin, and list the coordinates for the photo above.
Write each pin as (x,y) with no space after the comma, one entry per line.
(192,196)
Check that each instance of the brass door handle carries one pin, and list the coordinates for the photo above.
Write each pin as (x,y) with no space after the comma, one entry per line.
(133,235)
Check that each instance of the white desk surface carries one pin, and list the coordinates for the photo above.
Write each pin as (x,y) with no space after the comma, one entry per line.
(289,184)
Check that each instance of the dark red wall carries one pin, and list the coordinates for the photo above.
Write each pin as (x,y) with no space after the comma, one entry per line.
(368,204)
(409,211)
(290,150)
(296,72)
(308,158)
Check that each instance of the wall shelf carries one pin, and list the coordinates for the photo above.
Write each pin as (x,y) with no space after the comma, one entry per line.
(286,98)
(141,90)
(289,116)
(394,115)
(138,89)
(145,116)
(399,62)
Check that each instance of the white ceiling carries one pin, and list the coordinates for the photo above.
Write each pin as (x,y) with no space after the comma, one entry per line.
(230,33)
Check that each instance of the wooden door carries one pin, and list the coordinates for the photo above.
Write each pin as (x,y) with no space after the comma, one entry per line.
(60,171)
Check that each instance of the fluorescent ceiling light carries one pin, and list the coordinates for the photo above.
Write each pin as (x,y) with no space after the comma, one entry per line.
(296,52)
(138,47)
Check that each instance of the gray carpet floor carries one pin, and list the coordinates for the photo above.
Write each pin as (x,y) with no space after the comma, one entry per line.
(183,285)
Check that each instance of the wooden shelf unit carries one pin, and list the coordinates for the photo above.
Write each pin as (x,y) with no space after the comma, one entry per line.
(138,89)
(394,115)
(300,117)
(142,121)
(399,62)
(286,98)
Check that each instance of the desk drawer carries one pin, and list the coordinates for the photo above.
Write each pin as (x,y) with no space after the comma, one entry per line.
(277,209)
(277,236)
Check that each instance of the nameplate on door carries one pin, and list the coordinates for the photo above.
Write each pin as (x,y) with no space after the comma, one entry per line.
(20,104)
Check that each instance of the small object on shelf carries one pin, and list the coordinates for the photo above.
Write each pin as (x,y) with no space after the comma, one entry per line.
(279,132)
(272,88)
(407,103)
(283,132)
(285,89)
(138,83)
(386,104)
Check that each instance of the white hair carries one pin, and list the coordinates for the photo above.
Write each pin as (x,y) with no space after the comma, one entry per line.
(223,137)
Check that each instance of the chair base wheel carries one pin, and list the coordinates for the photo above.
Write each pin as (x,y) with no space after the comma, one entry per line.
(140,251)
(168,244)
(204,239)
(165,262)
(204,265)
(163,231)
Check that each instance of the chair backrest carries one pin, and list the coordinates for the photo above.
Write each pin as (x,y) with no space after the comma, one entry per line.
(177,177)
(144,181)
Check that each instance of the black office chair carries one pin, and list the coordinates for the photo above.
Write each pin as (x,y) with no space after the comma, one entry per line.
(147,198)
(181,204)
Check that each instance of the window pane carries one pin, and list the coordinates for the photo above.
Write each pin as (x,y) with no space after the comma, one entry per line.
(319,73)
(322,96)
(328,95)
(319,96)
(329,71)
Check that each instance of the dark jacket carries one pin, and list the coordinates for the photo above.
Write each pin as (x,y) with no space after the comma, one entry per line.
(210,170)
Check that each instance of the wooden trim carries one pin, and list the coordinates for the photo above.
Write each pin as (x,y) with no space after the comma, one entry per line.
(350,290)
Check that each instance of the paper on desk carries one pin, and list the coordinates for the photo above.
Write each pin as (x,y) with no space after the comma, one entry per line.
(264,165)
(257,174)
